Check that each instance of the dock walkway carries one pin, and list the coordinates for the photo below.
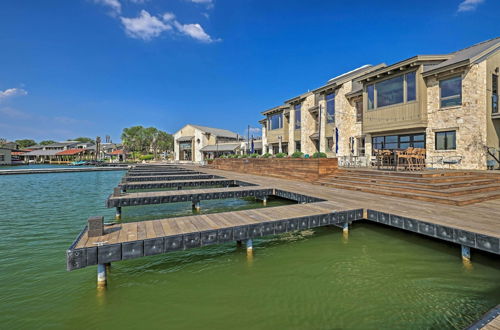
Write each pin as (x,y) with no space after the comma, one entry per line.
(471,226)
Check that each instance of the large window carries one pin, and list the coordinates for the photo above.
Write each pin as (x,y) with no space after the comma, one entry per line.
(392,91)
(451,91)
(2,158)
(398,141)
(297,145)
(446,140)
(411,87)
(370,90)
(275,121)
(297,115)
(494,93)
(330,108)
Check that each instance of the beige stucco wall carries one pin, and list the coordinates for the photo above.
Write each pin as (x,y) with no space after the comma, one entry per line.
(469,120)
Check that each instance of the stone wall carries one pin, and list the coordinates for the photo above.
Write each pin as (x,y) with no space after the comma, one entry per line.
(468,120)
(308,126)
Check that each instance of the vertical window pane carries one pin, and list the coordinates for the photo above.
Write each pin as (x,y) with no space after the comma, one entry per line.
(440,141)
(494,92)
(330,108)
(450,140)
(451,91)
(297,116)
(371,96)
(359,111)
(275,121)
(411,90)
(390,91)
(446,140)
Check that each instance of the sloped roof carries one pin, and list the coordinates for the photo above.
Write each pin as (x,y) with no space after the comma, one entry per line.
(467,55)
(216,131)
(70,152)
(42,153)
(221,147)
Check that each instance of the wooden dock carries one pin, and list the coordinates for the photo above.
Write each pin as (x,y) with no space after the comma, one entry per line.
(180,184)
(167,177)
(490,321)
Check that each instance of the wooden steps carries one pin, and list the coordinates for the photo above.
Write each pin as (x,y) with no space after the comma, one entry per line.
(450,187)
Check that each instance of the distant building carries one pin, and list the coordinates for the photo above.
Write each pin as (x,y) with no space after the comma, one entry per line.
(5,156)
(197,143)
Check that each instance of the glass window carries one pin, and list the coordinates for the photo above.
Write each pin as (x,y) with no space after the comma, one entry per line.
(275,121)
(411,90)
(330,108)
(446,140)
(370,89)
(359,111)
(297,145)
(494,94)
(390,91)
(329,143)
(297,115)
(451,91)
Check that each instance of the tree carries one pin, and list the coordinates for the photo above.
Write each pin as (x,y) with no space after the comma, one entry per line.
(24,143)
(47,142)
(133,138)
(83,139)
(145,140)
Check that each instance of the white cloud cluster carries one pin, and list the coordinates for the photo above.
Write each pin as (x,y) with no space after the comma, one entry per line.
(469,5)
(114,5)
(147,26)
(11,92)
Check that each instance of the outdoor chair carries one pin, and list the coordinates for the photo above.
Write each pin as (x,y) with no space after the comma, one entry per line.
(452,160)
(404,157)
(419,158)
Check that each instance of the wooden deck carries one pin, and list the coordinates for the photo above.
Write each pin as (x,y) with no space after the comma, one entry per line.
(178,184)
(476,226)
(490,321)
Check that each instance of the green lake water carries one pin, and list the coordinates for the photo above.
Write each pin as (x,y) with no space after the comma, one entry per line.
(378,278)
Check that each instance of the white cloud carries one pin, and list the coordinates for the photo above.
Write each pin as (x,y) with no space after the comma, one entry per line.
(11,92)
(208,3)
(167,17)
(469,5)
(194,31)
(145,26)
(138,1)
(114,5)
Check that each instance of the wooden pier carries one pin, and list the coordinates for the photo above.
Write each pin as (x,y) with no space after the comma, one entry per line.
(180,184)
(473,226)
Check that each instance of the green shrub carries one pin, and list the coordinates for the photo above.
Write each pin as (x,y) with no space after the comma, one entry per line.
(242,156)
(266,155)
(146,157)
(297,154)
(280,155)
(254,155)
(232,156)
(319,155)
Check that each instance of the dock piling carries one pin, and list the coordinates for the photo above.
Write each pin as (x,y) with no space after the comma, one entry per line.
(101,276)
(118,213)
(249,247)
(196,205)
(465,253)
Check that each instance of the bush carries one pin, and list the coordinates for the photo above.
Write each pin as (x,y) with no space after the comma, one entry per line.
(254,155)
(146,157)
(280,155)
(232,156)
(266,155)
(297,154)
(319,155)
(242,156)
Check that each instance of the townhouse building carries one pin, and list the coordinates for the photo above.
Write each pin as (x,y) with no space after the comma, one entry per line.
(446,104)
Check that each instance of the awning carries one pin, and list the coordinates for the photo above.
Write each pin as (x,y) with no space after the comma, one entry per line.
(221,147)
(185,139)
(314,136)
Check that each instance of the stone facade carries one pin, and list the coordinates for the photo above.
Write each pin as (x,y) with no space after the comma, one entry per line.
(468,120)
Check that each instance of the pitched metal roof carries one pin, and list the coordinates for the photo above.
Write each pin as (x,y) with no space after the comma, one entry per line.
(221,147)
(216,131)
(42,153)
(467,55)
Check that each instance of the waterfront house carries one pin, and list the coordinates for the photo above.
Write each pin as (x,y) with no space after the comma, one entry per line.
(445,105)
(5,156)
(190,141)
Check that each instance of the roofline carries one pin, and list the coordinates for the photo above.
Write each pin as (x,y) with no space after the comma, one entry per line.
(298,99)
(476,59)
(275,109)
(412,61)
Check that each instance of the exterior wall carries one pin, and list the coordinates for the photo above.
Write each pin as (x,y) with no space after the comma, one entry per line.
(345,119)
(291,131)
(307,126)
(7,157)
(264,138)
(493,125)
(185,131)
(469,119)
(401,116)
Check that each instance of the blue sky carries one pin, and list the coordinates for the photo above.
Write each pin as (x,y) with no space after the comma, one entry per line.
(91,67)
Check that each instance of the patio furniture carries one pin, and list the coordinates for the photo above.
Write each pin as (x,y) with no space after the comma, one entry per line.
(404,157)
(452,160)
(418,159)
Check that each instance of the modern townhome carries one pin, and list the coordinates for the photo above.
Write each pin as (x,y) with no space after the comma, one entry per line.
(197,143)
(327,119)
(445,105)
